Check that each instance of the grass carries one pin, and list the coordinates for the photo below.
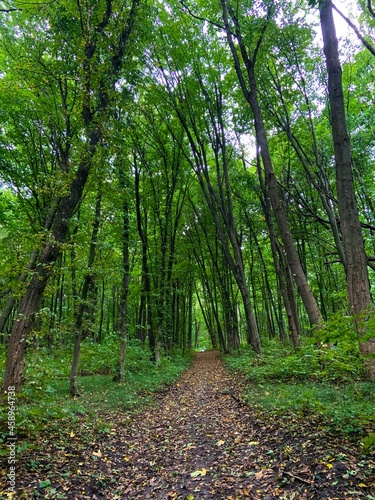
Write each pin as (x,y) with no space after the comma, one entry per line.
(325,384)
(45,403)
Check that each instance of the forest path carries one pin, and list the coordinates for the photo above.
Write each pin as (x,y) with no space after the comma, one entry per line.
(196,442)
(200,441)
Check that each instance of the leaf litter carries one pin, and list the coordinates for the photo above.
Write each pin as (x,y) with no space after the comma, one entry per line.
(199,440)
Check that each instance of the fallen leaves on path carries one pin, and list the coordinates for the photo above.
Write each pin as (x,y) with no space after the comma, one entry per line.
(200,441)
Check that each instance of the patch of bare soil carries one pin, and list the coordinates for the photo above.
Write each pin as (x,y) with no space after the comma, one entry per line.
(201,441)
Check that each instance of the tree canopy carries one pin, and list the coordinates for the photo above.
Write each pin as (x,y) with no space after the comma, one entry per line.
(184,174)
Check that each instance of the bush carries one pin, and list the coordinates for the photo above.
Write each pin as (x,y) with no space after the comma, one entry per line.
(317,380)
(330,355)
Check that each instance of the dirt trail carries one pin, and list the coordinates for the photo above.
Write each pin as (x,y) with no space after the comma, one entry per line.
(197,442)
(200,441)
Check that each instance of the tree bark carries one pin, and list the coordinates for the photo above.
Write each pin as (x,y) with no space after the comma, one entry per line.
(30,301)
(120,376)
(357,281)
(249,90)
(145,267)
(62,209)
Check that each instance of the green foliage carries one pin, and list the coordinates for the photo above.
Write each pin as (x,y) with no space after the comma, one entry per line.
(369,442)
(45,400)
(314,361)
(346,409)
(44,367)
(322,382)
(338,330)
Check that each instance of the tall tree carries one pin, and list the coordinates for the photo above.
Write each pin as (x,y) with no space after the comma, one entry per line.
(358,285)
(246,74)
(95,33)
(81,299)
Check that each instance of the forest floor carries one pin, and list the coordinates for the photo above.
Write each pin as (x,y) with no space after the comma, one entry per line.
(198,441)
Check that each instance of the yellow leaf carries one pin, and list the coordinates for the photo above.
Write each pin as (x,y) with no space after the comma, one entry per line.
(190,497)
(361,485)
(330,466)
(79,471)
(253,443)
(72,434)
(220,442)
(197,473)
(126,459)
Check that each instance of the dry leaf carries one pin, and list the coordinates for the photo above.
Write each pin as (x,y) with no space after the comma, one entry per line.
(197,473)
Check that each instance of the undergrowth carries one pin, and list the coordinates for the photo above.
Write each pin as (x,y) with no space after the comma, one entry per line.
(45,402)
(320,381)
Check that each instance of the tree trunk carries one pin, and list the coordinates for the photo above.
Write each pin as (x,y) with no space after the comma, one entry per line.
(250,93)
(145,267)
(28,307)
(88,283)
(22,278)
(120,376)
(62,209)
(357,281)
(6,312)
(74,391)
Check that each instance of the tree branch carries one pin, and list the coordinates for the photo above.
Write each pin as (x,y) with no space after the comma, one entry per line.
(368,46)
(371,10)
(189,11)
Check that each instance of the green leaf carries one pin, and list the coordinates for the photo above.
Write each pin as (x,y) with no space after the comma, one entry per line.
(44,484)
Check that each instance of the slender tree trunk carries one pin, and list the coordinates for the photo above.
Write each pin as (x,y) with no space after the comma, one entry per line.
(250,93)
(141,318)
(88,283)
(190,313)
(358,285)
(22,278)
(145,267)
(6,312)
(287,289)
(120,377)
(101,318)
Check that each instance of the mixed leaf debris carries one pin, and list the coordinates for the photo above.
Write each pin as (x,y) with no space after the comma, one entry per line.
(199,440)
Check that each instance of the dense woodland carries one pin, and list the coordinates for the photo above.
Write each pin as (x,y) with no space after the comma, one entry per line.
(183,175)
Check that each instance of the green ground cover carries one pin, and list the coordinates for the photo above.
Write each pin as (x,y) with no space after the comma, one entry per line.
(326,385)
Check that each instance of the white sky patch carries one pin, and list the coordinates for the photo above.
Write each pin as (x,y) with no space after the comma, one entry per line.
(343,30)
